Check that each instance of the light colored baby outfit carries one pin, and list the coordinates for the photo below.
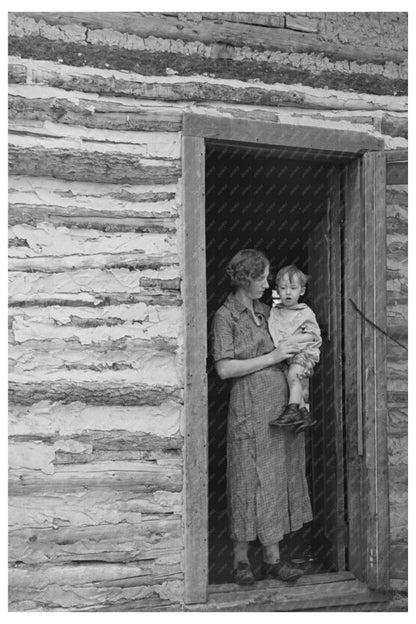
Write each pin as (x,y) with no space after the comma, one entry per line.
(286,322)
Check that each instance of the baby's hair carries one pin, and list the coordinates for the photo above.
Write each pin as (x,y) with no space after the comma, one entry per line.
(246,265)
(292,271)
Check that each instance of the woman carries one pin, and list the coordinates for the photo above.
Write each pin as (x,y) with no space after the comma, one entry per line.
(267,489)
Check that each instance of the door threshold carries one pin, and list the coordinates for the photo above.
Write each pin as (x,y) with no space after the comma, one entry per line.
(310,592)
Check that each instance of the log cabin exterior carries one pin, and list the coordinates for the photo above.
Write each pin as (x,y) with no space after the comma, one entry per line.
(109,114)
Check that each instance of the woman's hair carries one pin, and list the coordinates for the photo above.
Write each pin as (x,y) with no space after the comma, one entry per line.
(246,265)
(292,271)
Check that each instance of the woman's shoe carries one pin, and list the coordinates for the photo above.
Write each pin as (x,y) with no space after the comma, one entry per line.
(308,420)
(242,574)
(290,416)
(281,571)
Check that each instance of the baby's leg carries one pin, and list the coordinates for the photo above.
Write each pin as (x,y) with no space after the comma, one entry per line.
(294,380)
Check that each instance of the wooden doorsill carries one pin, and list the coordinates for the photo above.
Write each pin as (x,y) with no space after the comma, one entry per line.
(312,591)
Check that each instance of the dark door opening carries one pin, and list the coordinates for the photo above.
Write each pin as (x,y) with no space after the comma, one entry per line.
(264,199)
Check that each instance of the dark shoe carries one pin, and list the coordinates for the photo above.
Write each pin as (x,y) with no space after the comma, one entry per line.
(242,574)
(290,416)
(308,420)
(281,571)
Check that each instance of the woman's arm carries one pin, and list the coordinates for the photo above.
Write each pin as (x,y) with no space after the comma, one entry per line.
(229,368)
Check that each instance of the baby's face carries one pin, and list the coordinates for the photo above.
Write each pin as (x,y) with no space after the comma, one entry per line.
(290,290)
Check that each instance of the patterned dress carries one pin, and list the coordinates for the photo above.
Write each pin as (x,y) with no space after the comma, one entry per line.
(266,480)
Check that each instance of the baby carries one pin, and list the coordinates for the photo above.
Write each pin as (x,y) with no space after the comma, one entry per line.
(295,322)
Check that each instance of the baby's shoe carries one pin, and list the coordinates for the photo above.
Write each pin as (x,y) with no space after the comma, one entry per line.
(308,420)
(290,416)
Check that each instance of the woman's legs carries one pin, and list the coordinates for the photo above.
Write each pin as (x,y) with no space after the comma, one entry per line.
(271,553)
(240,552)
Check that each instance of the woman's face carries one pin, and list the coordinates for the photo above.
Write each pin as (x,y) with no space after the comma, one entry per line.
(256,287)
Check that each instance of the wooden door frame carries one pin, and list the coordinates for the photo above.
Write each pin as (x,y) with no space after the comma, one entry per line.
(312,142)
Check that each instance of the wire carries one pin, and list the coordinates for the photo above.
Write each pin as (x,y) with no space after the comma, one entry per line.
(377,327)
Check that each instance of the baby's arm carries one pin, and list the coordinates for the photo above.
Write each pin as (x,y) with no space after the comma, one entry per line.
(303,337)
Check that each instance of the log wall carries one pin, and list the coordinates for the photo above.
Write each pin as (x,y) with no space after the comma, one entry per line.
(96,321)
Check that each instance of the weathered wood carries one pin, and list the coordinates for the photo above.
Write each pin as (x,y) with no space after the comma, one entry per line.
(95,586)
(399,155)
(276,20)
(397,173)
(120,542)
(132,262)
(335,339)
(149,145)
(105,393)
(291,598)
(207,31)
(90,507)
(178,89)
(276,584)
(374,358)
(70,364)
(77,164)
(150,297)
(217,60)
(353,389)
(196,392)
(101,282)
(290,136)
(131,476)
(95,113)
(301,23)
(95,425)
(394,126)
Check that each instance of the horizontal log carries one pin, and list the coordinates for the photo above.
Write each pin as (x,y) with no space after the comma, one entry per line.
(140,325)
(95,587)
(90,508)
(107,223)
(398,155)
(288,68)
(27,453)
(396,196)
(399,522)
(99,575)
(397,173)
(107,393)
(132,476)
(397,449)
(150,297)
(203,89)
(149,145)
(66,457)
(397,220)
(112,543)
(55,238)
(275,20)
(394,126)
(207,31)
(95,424)
(89,166)
(397,420)
(52,264)
(399,560)
(96,113)
(301,23)
(31,363)
(104,282)
(151,200)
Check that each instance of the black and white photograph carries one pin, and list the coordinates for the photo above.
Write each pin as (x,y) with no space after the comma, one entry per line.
(208,309)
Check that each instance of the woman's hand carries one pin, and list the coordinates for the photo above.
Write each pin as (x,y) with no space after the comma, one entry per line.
(284,350)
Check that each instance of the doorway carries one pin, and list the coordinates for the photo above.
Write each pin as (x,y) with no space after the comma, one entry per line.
(355,227)
(267,200)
